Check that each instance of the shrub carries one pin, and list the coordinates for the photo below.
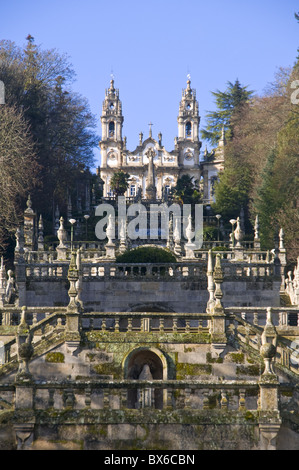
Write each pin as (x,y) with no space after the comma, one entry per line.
(146,254)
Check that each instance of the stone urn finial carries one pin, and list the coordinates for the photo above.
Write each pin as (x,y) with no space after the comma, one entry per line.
(238,233)
(61,233)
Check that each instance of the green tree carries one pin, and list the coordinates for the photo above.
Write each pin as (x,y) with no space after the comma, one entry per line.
(227,102)
(18,170)
(39,82)
(232,190)
(119,183)
(185,191)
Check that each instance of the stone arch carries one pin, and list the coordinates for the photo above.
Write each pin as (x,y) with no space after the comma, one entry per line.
(133,365)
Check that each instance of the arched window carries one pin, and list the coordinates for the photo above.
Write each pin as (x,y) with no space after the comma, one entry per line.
(188,129)
(111,128)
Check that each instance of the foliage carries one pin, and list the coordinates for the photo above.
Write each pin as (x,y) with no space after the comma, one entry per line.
(261,164)
(228,103)
(38,83)
(146,254)
(209,233)
(19,169)
(119,183)
(185,191)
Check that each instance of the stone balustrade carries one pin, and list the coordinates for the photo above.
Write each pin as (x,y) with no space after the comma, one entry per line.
(281,316)
(167,271)
(221,395)
(146,322)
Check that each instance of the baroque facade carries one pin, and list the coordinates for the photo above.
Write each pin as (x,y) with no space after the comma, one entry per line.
(150,154)
(198,353)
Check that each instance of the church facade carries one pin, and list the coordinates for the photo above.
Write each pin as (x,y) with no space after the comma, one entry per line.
(168,166)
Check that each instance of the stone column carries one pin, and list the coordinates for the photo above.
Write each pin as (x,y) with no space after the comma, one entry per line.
(24,386)
(269,416)
(3,283)
(72,331)
(217,328)
(210,304)
(29,226)
(20,266)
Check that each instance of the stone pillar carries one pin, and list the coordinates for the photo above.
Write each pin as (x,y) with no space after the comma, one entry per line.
(72,330)
(151,189)
(20,266)
(210,304)
(40,240)
(217,328)
(269,416)
(24,386)
(3,283)
(29,226)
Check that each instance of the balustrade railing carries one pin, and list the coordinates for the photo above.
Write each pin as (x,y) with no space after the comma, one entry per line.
(167,271)
(146,322)
(41,322)
(281,316)
(156,394)
(247,326)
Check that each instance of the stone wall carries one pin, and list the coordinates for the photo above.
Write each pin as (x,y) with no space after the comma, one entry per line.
(176,296)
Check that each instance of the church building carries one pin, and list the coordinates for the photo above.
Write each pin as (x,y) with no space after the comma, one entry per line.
(150,160)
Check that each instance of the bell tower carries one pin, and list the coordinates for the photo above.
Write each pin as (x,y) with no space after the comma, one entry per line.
(112,118)
(112,121)
(188,124)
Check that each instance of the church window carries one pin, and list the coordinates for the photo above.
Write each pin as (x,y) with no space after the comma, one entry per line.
(188,129)
(111,128)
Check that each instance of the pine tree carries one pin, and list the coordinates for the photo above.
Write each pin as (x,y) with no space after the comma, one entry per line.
(228,103)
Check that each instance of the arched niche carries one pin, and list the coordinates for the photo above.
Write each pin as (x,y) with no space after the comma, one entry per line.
(133,365)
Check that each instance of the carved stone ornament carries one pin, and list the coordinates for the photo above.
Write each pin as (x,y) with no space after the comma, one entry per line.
(188,155)
(111,155)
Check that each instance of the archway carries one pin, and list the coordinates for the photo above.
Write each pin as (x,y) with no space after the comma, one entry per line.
(136,363)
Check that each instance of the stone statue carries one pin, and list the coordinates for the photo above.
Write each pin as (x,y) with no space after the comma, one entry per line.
(10,288)
(145,374)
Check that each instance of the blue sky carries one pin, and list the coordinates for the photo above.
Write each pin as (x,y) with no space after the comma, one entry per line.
(152,45)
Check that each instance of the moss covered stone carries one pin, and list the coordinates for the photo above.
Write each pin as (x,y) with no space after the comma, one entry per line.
(183,370)
(54,357)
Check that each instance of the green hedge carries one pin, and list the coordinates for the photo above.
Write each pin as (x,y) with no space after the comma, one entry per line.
(146,254)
